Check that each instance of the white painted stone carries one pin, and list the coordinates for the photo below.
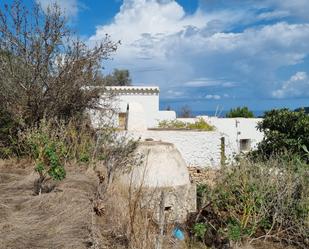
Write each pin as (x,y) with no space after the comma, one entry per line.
(235,129)
(136,117)
(147,97)
(162,166)
(198,148)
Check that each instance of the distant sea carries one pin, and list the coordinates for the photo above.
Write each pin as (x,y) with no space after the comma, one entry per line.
(220,113)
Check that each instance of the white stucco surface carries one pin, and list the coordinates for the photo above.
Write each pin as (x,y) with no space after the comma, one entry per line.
(197,148)
(136,117)
(162,166)
(125,100)
(235,129)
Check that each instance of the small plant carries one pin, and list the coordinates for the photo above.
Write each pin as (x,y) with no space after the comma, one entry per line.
(199,230)
(200,124)
(46,145)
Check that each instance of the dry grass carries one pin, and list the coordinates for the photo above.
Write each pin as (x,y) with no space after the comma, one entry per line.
(61,219)
(130,222)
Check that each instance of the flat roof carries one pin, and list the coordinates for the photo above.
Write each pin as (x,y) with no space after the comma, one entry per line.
(134,89)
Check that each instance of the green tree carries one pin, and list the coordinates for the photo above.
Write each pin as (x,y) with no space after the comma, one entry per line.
(119,77)
(238,112)
(284,131)
(306,109)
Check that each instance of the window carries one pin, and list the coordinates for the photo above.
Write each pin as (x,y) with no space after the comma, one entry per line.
(122,121)
(245,144)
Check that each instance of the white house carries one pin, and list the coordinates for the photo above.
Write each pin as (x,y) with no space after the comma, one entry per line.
(137,111)
(241,134)
(137,107)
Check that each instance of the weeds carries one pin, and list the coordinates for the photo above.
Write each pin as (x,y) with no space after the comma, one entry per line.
(200,124)
(46,145)
(253,201)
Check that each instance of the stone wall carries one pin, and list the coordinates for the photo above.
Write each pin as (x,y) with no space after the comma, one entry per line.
(198,148)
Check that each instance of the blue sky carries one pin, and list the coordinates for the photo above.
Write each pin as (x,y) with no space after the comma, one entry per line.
(205,53)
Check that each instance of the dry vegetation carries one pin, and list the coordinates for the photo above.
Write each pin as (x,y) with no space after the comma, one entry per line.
(61,219)
(67,218)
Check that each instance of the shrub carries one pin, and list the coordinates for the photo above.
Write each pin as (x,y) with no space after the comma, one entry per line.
(242,112)
(284,131)
(46,144)
(200,124)
(8,132)
(252,201)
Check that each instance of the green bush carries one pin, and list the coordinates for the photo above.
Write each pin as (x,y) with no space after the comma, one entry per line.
(200,124)
(238,112)
(253,200)
(46,145)
(284,131)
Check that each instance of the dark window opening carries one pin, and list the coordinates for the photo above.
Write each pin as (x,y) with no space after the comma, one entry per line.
(168,208)
(245,144)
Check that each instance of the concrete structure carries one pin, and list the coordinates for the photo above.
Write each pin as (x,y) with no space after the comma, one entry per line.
(231,137)
(163,169)
(241,134)
(198,148)
(137,107)
(137,110)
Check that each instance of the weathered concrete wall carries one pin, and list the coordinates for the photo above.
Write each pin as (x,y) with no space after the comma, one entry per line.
(197,148)
(162,169)
(235,129)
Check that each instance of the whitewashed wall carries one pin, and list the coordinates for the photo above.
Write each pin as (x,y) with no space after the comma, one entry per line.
(234,129)
(197,148)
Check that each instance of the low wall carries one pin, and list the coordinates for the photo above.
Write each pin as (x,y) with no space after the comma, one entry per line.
(198,148)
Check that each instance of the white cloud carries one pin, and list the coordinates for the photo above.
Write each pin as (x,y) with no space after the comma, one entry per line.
(215,96)
(69,7)
(277,14)
(206,82)
(297,8)
(174,94)
(195,50)
(296,86)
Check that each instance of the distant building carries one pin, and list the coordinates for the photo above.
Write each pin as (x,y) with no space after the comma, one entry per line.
(137,111)
(241,134)
(136,107)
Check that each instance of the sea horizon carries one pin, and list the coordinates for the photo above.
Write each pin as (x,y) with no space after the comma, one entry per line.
(220,113)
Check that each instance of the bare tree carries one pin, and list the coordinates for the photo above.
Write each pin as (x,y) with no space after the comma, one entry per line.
(44,69)
(185,112)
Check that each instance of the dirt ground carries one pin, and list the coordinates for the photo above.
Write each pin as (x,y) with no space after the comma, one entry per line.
(62,219)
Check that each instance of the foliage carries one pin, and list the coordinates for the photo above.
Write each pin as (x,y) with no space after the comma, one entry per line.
(46,144)
(253,201)
(243,112)
(199,230)
(44,69)
(118,78)
(200,124)
(306,109)
(116,151)
(185,112)
(284,130)
(8,131)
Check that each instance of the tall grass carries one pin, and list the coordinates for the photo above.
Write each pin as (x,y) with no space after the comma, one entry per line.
(255,201)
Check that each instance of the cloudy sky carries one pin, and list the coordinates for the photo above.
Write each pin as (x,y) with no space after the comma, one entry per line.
(205,53)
